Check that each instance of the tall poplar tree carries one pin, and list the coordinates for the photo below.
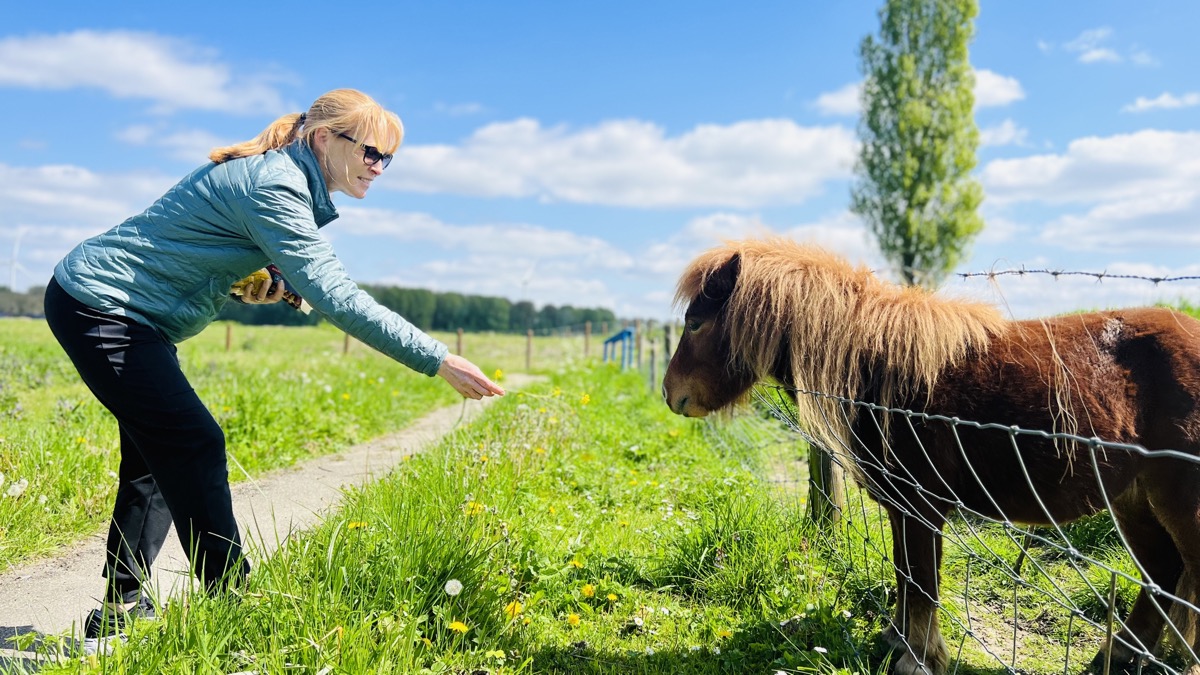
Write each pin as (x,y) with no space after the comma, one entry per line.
(918,135)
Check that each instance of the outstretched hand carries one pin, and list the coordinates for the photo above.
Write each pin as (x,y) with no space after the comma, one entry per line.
(467,379)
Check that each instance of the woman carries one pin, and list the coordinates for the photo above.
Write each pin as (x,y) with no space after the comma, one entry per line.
(120,301)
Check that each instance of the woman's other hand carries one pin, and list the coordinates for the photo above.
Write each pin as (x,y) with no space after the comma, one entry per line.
(261,292)
(467,379)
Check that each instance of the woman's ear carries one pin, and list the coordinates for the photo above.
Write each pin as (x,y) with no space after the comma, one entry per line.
(320,139)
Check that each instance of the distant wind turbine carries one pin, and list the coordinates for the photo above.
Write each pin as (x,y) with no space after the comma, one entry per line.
(14,263)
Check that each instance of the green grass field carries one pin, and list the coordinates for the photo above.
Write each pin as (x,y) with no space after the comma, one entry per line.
(577,526)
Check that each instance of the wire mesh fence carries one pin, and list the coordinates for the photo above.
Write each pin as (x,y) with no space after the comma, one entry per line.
(1013,596)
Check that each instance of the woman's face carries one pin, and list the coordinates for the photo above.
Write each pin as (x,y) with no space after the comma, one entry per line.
(341,159)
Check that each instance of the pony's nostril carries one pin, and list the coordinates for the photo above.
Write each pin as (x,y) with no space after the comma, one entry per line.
(682,404)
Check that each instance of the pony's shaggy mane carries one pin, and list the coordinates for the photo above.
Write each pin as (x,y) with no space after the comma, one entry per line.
(840,325)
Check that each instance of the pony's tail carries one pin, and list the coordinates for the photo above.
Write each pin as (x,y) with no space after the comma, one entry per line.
(278,134)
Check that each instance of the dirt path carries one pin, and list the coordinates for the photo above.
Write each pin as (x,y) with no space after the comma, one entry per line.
(48,596)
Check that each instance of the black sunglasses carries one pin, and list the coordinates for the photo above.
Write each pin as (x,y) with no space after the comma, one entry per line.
(371,154)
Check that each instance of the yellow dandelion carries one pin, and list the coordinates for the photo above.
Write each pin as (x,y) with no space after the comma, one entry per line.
(82,440)
(623,523)
(612,597)
(552,510)
(585,399)
(724,634)
(588,591)
(572,619)
(483,459)
(406,457)
(458,627)
(513,609)
(498,375)
(473,508)
(355,524)
(633,482)
(225,408)
(527,621)
(553,420)
(541,410)
(673,433)
(558,391)
(346,397)
(576,563)
(540,451)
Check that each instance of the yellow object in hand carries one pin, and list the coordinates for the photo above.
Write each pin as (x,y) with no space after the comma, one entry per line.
(239,287)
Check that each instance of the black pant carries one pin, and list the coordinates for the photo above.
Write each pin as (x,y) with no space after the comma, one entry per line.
(172,450)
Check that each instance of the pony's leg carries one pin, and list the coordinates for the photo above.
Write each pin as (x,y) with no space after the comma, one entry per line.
(1175,499)
(917,549)
(1153,548)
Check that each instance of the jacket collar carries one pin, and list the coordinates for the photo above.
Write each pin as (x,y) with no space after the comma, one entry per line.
(323,209)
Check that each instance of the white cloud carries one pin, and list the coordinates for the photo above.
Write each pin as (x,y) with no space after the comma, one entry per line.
(843,102)
(1164,101)
(1089,48)
(1005,133)
(58,195)
(634,163)
(192,145)
(505,241)
(172,73)
(1096,169)
(1092,46)
(1137,190)
(992,89)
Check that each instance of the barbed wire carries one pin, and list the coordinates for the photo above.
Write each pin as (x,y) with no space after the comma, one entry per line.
(1099,276)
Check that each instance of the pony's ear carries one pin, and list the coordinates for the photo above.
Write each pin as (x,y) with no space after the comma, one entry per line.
(720,282)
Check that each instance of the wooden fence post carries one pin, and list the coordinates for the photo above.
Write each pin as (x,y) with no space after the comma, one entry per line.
(228,336)
(458,344)
(587,337)
(345,343)
(604,328)
(637,343)
(826,489)
(653,365)
(528,349)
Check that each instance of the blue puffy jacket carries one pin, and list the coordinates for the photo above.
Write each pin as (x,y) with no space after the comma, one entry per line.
(171,266)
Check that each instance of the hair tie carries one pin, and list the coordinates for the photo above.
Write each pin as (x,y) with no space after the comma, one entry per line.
(301,119)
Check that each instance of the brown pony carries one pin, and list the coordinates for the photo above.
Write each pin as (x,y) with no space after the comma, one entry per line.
(775,309)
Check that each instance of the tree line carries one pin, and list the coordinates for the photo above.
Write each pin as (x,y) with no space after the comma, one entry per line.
(427,310)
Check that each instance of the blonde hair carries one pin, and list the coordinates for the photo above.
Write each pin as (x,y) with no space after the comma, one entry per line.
(346,111)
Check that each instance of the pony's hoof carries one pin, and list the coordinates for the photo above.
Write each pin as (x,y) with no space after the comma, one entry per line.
(1127,666)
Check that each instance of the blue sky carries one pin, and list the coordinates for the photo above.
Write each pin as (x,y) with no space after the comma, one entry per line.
(581,153)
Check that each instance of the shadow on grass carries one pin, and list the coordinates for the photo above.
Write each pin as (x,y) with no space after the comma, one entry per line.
(21,649)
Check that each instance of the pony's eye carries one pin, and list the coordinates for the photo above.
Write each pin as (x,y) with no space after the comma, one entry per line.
(692,326)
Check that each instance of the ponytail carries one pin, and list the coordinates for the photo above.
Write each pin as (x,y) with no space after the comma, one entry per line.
(278,134)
